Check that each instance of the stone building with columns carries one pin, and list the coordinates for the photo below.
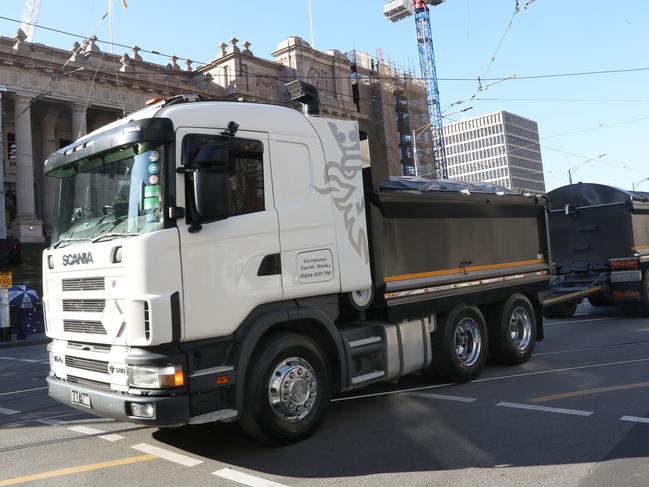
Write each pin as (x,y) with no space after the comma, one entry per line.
(49,97)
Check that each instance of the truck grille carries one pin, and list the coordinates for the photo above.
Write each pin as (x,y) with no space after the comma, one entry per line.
(88,382)
(87,364)
(83,284)
(83,326)
(84,305)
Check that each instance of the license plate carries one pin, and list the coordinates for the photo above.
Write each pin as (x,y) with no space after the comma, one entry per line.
(81,399)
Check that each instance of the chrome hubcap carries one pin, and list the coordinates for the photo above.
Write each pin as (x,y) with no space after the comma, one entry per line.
(468,342)
(292,389)
(520,328)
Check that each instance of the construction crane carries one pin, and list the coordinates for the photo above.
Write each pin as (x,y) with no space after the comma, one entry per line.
(396,10)
(30,18)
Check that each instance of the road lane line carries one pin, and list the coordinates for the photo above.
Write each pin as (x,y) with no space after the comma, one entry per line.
(590,349)
(545,409)
(586,392)
(167,455)
(245,479)
(9,411)
(577,322)
(441,396)
(634,419)
(72,470)
(94,431)
(20,392)
(564,369)
(487,379)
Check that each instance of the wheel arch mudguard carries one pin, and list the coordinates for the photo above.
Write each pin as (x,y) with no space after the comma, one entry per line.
(289,315)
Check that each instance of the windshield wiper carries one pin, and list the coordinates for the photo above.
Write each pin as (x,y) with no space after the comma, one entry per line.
(111,235)
(68,240)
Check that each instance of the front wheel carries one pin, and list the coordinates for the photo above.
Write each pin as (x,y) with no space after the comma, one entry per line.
(287,390)
(460,345)
(512,331)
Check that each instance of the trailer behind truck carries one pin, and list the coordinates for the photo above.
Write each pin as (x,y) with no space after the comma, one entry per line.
(600,248)
(213,261)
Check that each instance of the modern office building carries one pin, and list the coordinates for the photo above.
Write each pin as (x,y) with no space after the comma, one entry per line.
(500,148)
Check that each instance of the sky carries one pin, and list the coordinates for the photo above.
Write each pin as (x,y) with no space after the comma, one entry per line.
(594,123)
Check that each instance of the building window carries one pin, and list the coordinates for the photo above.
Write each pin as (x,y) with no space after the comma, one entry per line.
(11,146)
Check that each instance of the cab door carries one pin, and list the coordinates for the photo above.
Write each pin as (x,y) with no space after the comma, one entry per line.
(229,266)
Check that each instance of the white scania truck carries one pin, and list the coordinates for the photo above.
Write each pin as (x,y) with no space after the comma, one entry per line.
(214,261)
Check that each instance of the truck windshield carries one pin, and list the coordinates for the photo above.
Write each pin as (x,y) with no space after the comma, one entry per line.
(115,194)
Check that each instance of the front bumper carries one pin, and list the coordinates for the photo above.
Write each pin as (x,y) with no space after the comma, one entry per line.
(169,410)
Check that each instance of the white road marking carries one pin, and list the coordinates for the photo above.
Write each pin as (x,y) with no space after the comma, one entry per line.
(9,411)
(634,419)
(28,360)
(94,431)
(24,390)
(577,322)
(545,409)
(50,422)
(590,349)
(565,369)
(441,396)
(245,479)
(487,379)
(167,455)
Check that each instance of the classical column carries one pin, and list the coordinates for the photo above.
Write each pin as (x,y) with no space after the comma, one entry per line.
(26,227)
(3,222)
(79,125)
(48,144)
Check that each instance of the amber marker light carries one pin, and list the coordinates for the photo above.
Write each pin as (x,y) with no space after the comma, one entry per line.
(179,378)
(151,101)
(222,380)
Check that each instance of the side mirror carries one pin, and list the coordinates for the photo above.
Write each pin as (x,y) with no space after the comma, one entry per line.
(215,154)
(212,192)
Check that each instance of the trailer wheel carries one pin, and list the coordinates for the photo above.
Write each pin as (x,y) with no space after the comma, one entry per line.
(561,310)
(645,292)
(459,345)
(287,390)
(512,331)
(598,300)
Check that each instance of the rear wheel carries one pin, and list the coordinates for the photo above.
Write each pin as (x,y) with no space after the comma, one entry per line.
(512,331)
(460,345)
(598,300)
(561,310)
(287,390)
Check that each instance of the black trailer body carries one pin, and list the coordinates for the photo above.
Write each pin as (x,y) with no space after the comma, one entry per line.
(437,244)
(600,234)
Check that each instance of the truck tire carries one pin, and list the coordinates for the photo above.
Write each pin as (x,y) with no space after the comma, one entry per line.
(459,346)
(512,331)
(561,310)
(598,300)
(645,292)
(287,390)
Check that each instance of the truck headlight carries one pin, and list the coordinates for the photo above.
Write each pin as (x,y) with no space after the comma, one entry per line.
(151,377)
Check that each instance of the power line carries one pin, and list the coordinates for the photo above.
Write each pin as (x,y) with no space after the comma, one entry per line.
(415,78)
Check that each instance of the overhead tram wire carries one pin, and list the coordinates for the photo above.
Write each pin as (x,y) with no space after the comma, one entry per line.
(379,78)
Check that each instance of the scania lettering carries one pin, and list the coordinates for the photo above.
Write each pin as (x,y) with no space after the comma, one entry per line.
(213,261)
(73,259)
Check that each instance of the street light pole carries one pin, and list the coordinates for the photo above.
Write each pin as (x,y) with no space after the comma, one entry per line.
(572,170)
(421,130)
(638,183)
